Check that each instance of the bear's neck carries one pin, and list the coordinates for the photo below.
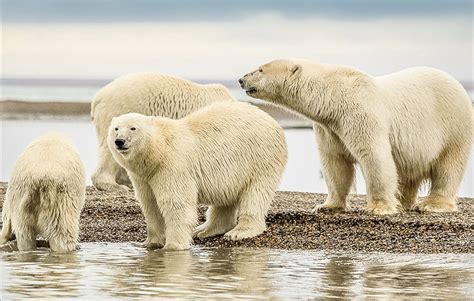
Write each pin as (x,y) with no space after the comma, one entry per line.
(323,98)
(146,162)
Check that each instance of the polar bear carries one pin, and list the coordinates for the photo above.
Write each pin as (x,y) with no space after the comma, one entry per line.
(403,129)
(149,94)
(45,195)
(229,156)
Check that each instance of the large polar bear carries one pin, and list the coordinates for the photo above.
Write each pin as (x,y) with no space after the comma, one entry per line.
(45,195)
(149,94)
(229,156)
(402,128)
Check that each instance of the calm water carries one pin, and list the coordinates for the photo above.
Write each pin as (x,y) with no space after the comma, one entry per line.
(99,271)
(302,172)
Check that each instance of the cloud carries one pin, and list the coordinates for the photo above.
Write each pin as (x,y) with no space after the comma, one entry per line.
(225,50)
(104,11)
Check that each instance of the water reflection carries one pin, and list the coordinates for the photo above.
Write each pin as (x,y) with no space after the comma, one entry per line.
(415,281)
(99,271)
(41,273)
(339,278)
(224,273)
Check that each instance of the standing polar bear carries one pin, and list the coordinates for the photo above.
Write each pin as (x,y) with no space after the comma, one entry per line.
(229,156)
(149,94)
(45,195)
(402,128)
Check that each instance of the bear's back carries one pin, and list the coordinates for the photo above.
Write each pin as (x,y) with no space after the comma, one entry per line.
(232,120)
(156,94)
(49,158)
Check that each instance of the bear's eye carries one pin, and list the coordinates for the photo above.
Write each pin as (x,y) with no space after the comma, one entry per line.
(116,129)
(132,129)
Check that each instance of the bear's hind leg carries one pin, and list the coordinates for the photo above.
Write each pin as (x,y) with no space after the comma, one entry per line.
(7,234)
(107,171)
(58,221)
(219,220)
(408,192)
(254,204)
(446,177)
(25,224)
(62,232)
(26,238)
(62,244)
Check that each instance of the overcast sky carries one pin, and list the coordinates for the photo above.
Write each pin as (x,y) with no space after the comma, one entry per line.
(224,39)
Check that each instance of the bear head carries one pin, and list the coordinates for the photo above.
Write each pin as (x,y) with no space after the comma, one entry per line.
(129,134)
(269,81)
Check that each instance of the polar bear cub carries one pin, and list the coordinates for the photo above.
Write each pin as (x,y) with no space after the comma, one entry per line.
(45,195)
(149,94)
(403,128)
(229,156)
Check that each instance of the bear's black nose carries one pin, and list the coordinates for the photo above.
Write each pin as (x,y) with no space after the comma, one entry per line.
(241,82)
(119,142)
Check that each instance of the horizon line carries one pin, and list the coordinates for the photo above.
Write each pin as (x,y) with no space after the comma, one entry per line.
(99,82)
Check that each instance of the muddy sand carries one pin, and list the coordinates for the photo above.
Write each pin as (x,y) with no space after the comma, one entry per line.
(116,217)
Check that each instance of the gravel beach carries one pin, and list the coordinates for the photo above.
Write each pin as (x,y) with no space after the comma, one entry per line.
(116,217)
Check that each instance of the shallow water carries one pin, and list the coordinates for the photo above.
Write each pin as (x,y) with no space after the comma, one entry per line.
(100,271)
(302,173)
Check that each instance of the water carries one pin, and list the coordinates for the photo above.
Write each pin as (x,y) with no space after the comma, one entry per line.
(303,171)
(122,270)
(42,90)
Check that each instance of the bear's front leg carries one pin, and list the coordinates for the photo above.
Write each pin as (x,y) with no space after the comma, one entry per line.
(154,220)
(177,200)
(338,170)
(381,178)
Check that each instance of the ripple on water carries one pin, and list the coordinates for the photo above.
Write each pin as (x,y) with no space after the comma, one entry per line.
(100,270)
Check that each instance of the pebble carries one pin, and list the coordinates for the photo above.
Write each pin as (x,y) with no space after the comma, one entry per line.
(116,217)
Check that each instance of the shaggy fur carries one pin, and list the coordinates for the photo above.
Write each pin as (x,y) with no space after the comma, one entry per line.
(229,156)
(45,195)
(403,128)
(149,94)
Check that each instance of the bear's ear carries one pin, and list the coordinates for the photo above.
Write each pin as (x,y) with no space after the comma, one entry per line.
(296,69)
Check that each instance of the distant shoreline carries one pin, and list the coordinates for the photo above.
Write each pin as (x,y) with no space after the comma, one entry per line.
(16,109)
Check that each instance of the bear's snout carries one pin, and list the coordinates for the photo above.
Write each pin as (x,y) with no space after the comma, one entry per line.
(241,81)
(119,143)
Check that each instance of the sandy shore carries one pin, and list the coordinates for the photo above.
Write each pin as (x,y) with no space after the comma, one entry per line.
(116,217)
(13,109)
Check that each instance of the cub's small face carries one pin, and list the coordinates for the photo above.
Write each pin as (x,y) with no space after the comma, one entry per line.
(127,133)
(268,80)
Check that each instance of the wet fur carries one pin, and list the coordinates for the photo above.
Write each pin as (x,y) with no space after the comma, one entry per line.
(45,195)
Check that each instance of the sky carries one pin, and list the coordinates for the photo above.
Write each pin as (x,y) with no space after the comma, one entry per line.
(225,39)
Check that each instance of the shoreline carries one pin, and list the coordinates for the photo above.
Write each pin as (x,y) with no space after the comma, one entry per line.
(116,217)
(16,109)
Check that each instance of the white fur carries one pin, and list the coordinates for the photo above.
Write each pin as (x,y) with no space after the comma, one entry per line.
(403,128)
(229,156)
(149,94)
(45,195)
